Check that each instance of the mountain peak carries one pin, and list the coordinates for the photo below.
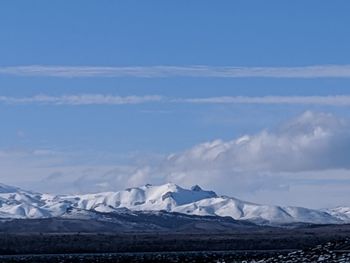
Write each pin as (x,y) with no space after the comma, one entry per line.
(196,188)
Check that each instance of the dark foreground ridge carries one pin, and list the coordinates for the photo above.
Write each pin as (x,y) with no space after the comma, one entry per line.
(167,232)
(128,221)
(190,239)
(330,252)
(148,237)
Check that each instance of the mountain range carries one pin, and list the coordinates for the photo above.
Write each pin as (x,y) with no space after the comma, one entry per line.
(170,199)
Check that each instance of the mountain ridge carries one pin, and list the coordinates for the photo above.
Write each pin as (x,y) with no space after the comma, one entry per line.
(16,203)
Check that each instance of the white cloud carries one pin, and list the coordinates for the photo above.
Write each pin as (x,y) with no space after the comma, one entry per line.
(315,71)
(313,141)
(83,99)
(103,99)
(340,100)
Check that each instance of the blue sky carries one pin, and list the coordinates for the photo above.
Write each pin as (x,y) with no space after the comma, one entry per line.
(131,94)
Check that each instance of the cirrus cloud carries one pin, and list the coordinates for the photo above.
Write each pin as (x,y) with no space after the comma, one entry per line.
(106,99)
(81,99)
(162,71)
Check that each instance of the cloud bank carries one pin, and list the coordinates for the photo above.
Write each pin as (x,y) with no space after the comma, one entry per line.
(303,162)
(311,142)
(315,71)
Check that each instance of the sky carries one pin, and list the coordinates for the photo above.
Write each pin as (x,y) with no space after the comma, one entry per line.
(247,98)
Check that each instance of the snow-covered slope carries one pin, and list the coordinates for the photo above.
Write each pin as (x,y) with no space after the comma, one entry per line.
(17,203)
(164,197)
(260,214)
(341,212)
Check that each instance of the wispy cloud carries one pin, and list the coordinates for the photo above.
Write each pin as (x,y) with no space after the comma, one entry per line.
(103,99)
(83,99)
(307,100)
(314,71)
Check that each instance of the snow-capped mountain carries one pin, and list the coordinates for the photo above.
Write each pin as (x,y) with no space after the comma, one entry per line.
(146,198)
(17,203)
